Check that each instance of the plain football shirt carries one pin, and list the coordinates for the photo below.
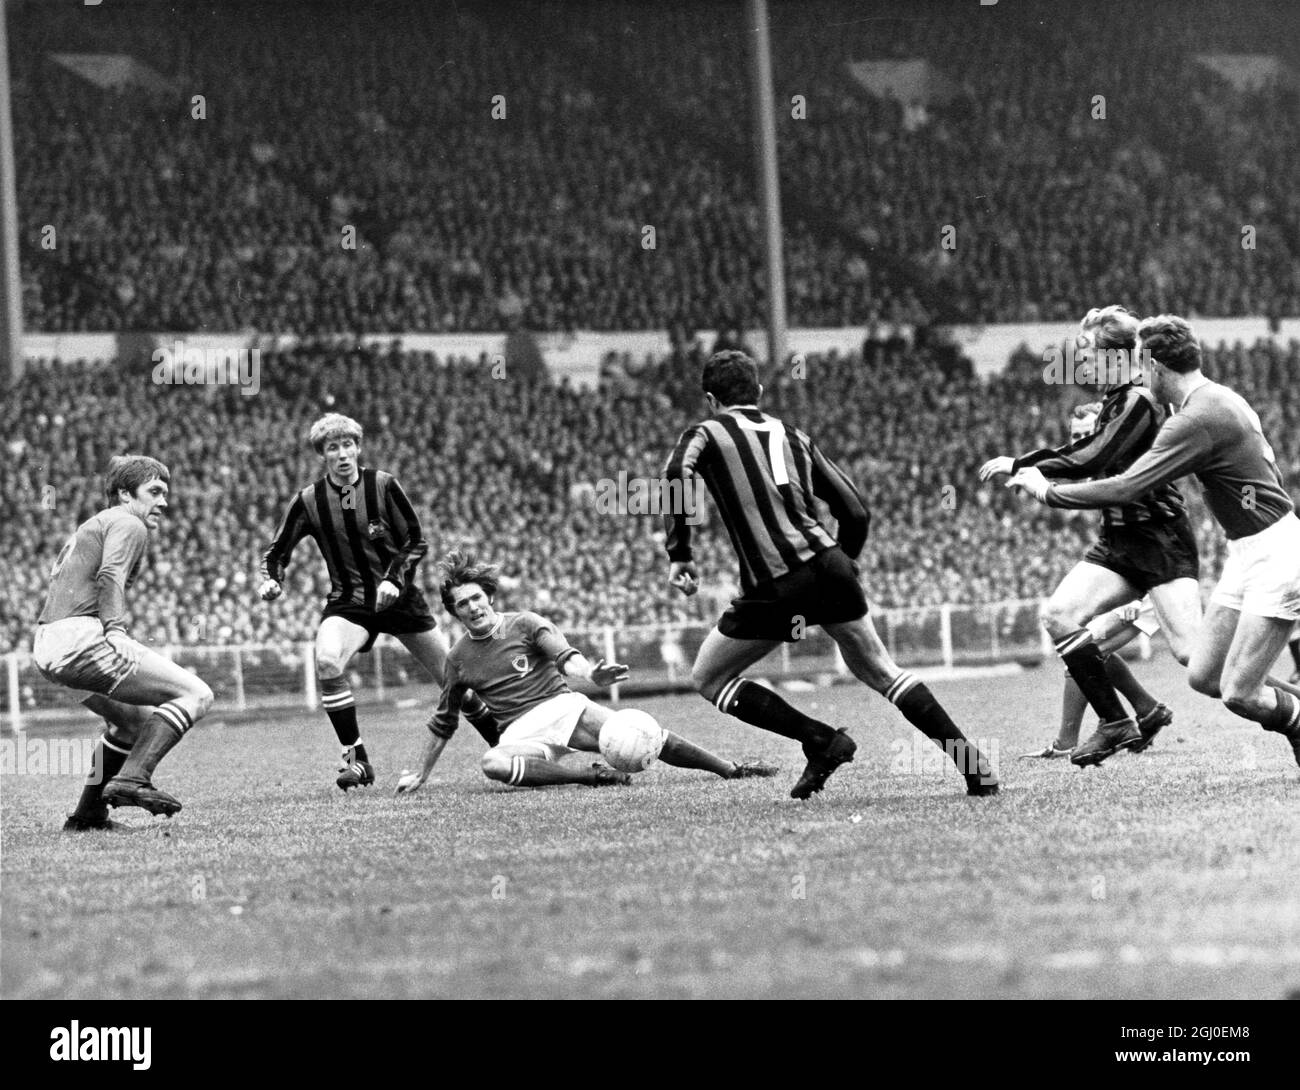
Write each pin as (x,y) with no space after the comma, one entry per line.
(94,568)
(513,668)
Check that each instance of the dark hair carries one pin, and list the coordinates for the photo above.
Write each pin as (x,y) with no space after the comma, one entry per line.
(731,377)
(460,568)
(1170,342)
(130,471)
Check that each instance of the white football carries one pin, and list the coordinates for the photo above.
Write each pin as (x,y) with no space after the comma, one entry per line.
(631,740)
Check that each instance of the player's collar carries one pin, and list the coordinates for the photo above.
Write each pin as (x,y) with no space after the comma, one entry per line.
(1196,386)
(501,619)
(361,470)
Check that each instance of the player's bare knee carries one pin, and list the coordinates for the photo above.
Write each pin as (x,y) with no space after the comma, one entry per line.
(1203,681)
(329,665)
(1058,619)
(202,699)
(496,765)
(707,683)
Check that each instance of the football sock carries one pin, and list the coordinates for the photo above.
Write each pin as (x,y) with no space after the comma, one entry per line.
(920,708)
(164,729)
(539,772)
(1082,657)
(680,753)
(1285,717)
(1073,705)
(336,696)
(110,755)
(760,707)
(481,718)
(1117,670)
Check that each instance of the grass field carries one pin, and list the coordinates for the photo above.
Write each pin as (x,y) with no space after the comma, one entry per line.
(1175,873)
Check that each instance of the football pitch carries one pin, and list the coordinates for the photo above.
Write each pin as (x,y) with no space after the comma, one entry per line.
(1169,874)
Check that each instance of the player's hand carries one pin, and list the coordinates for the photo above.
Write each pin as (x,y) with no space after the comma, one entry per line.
(386,594)
(409,783)
(270,590)
(995,467)
(1031,480)
(684,576)
(607,673)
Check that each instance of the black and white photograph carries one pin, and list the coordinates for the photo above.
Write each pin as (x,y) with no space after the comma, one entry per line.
(651,499)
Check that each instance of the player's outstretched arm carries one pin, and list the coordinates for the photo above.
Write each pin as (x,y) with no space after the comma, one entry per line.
(600,672)
(413,781)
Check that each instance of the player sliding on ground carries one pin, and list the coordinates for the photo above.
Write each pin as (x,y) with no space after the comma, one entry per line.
(371,540)
(1146,545)
(81,643)
(794,575)
(1111,631)
(1216,435)
(518,663)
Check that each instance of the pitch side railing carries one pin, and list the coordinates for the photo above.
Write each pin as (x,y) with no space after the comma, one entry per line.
(266,677)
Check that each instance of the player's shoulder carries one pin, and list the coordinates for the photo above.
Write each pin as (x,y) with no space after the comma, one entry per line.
(528,620)
(120,520)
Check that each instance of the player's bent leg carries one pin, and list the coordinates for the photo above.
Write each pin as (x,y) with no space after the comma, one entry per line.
(124,723)
(429,650)
(1178,607)
(180,699)
(868,659)
(337,641)
(532,766)
(1088,590)
(1255,647)
(1210,650)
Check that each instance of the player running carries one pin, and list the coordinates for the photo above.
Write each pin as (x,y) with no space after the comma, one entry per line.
(370,537)
(518,663)
(1146,545)
(1112,631)
(148,702)
(794,575)
(1217,436)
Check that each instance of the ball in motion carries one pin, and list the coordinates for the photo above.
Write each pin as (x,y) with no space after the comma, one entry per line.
(631,740)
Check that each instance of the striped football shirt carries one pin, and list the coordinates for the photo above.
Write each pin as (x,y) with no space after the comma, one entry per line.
(367,532)
(1127,425)
(763,476)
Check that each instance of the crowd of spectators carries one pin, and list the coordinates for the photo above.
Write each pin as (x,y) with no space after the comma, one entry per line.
(510,466)
(499,167)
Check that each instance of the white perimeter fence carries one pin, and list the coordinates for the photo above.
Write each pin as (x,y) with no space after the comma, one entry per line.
(266,677)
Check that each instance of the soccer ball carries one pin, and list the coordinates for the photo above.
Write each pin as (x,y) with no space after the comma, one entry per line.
(631,740)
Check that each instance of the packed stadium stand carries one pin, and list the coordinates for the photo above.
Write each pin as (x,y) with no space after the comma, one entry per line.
(510,466)
(317,117)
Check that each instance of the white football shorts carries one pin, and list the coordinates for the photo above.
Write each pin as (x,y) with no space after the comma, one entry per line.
(545,731)
(1262,573)
(74,652)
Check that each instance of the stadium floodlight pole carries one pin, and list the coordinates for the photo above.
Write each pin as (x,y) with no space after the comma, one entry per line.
(11,292)
(760,55)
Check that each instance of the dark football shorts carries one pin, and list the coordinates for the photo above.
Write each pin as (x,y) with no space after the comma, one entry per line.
(1148,554)
(410,613)
(823,591)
